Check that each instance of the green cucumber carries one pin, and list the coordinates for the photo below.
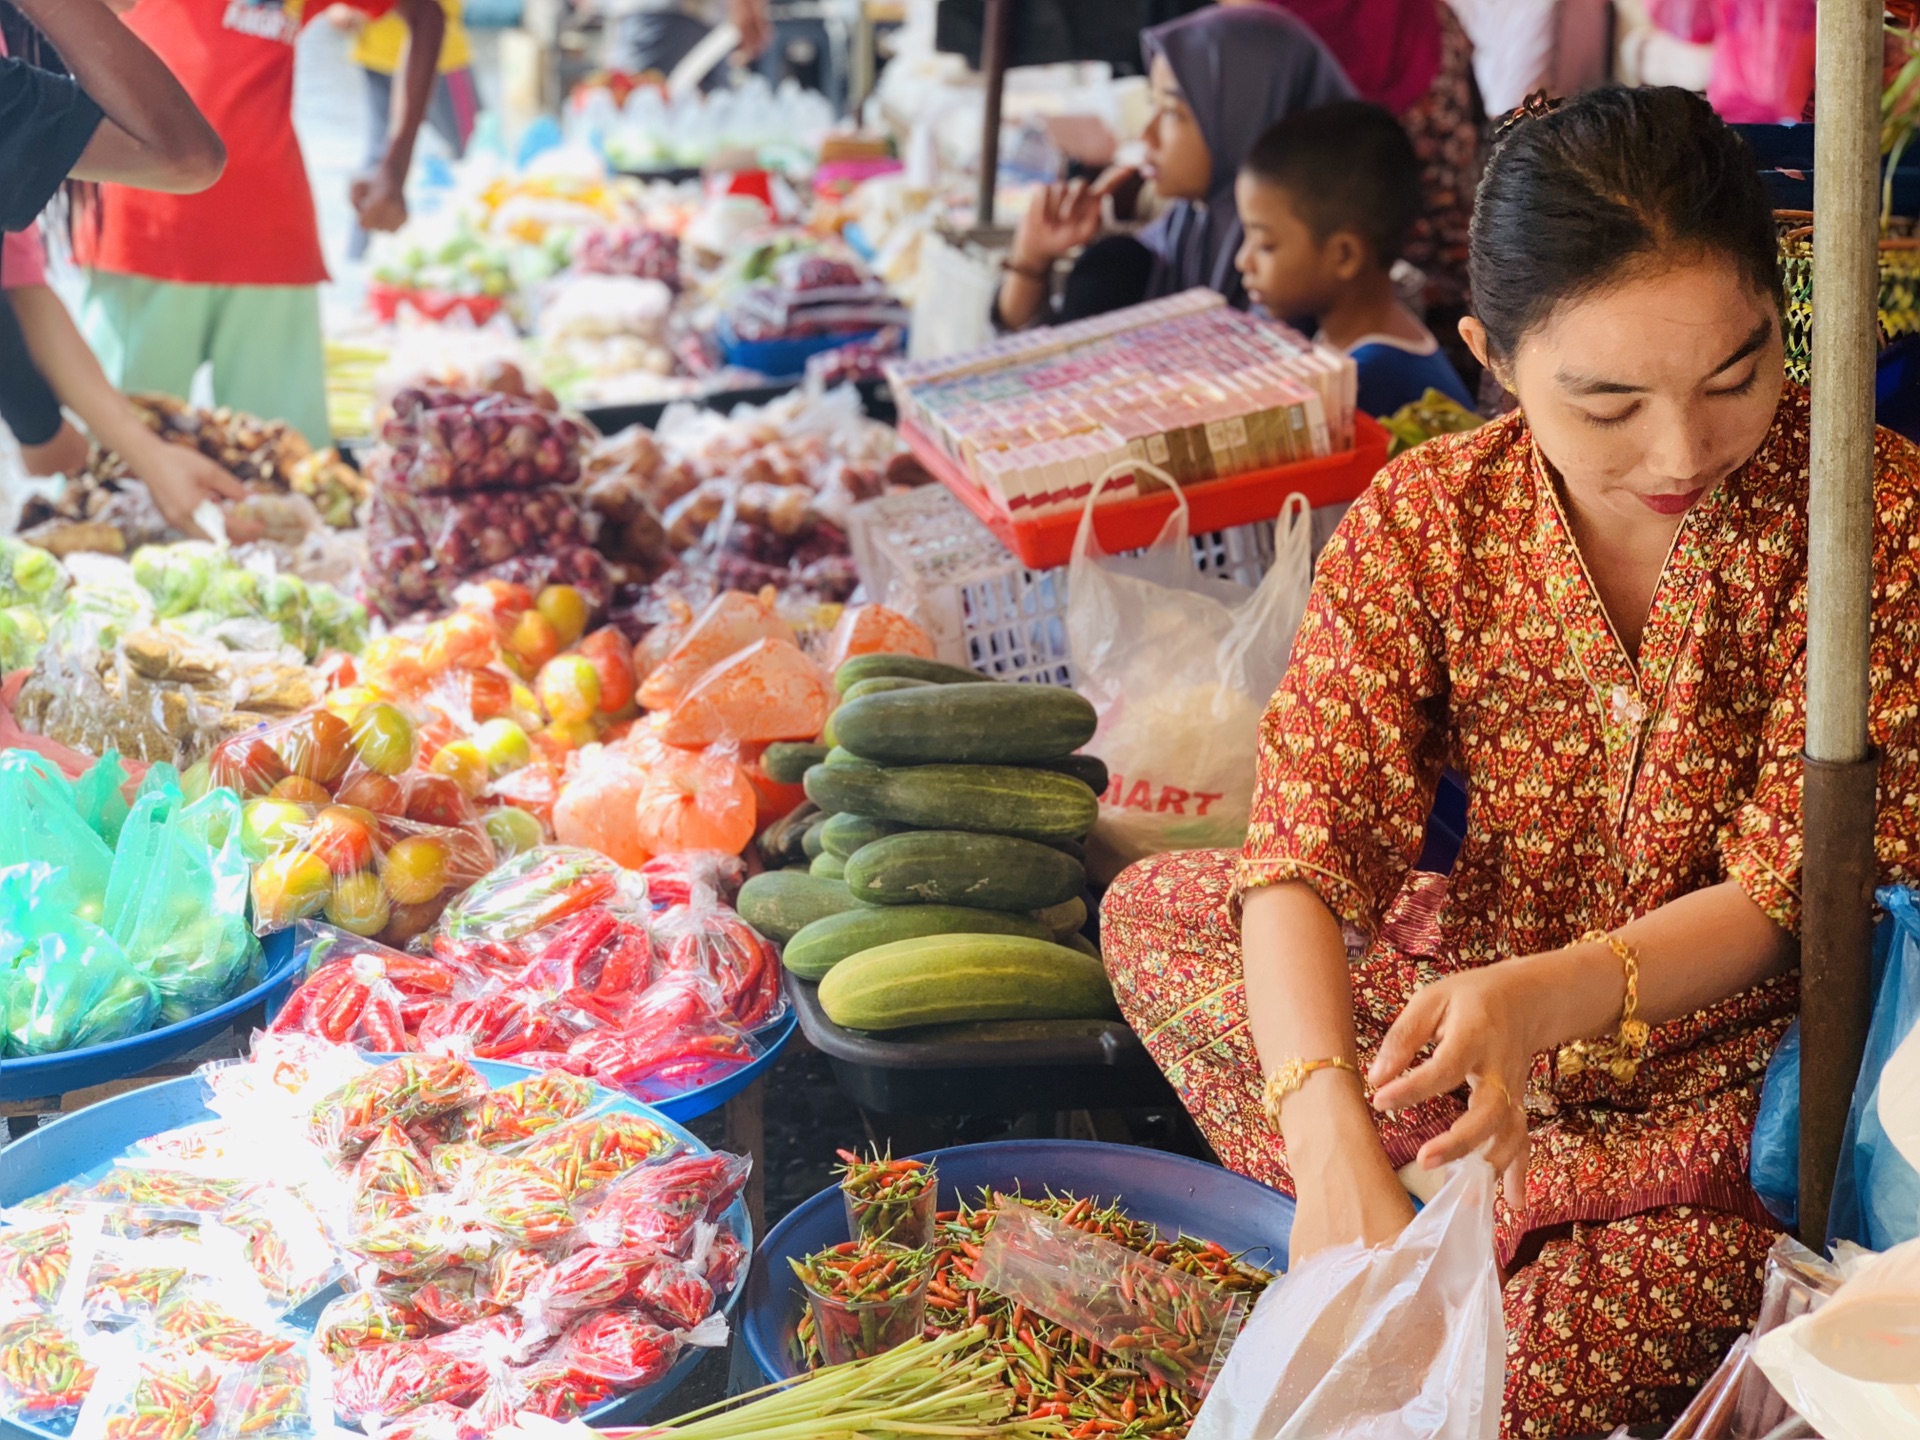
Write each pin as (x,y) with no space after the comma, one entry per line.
(788,763)
(994,799)
(955,867)
(1089,770)
(950,979)
(981,723)
(828,867)
(813,843)
(904,667)
(1071,847)
(825,943)
(780,841)
(1069,917)
(782,903)
(879,684)
(1082,944)
(845,834)
(842,758)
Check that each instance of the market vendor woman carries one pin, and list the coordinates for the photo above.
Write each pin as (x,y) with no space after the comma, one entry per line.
(1594,608)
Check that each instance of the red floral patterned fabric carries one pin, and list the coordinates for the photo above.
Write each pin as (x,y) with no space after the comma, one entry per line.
(1452,623)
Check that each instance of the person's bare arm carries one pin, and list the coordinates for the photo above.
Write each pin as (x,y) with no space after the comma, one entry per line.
(379,196)
(152,136)
(1300,1007)
(181,479)
(750,18)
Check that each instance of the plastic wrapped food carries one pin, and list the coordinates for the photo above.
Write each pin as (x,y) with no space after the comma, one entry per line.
(680,1033)
(438,442)
(678,879)
(44,827)
(730,623)
(360,993)
(525,1108)
(413,1087)
(194,1319)
(598,806)
(586,1281)
(538,889)
(69,985)
(44,1376)
(420,1245)
(496,1026)
(627,1351)
(671,1294)
(392,1165)
(596,953)
(285,1242)
(713,941)
(527,1201)
(766,691)
(658,1207)
(268,1398)
(695,800)
(875,630)
(585,1154)
(362,1319)
(161,1396)
(34,1260)
(384,1382)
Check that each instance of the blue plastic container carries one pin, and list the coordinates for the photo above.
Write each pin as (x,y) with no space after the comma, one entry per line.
(708,1098)
(781,358)
(49,1075)
(75,1144)
(1170,1191)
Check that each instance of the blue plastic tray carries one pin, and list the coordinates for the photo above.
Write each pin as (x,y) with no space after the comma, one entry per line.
(49,1075)
(708,1098)
(75,1144)
(1170,1191)
(780,358)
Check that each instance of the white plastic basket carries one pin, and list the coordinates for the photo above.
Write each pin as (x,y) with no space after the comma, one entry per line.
(923,554)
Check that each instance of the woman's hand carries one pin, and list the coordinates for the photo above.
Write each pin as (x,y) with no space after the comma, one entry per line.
(65,454)
(181,481)
(1484,1027)
(1062,217)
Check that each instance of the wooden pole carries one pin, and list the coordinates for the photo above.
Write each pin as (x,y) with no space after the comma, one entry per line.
(994,38)
(1838,813)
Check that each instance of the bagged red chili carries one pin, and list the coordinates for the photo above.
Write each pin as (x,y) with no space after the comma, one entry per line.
(595,953)
(499,1026)
(712,940)
(383,1382)
(525,1108)
(587,1280)
(625,1349)
(678,879)
(724,1262)
(671,1294)
(676,1036)
(657,1207)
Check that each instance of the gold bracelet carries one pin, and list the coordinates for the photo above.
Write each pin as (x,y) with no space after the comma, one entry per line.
(1620,1057)
(1290,1077)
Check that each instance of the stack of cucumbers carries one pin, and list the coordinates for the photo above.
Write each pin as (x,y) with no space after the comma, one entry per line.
(946,882)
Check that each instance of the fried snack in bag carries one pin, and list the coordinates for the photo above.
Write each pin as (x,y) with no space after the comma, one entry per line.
(730,622)
(768,691)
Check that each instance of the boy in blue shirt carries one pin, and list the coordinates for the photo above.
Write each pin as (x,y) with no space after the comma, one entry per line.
(1326,198)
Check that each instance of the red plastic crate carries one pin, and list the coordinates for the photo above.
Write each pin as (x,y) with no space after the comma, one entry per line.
(1047,541)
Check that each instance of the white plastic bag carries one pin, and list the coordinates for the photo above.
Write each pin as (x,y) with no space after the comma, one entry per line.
(1180,666)
(1400,1343)
(1852,1367)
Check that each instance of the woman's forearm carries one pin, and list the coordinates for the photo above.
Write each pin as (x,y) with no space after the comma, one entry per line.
(1300,1007)
(1021,299)
(61,354)
(1693,952)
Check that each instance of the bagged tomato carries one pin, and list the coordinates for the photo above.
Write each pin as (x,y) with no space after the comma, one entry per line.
(715,942)
(695,800)
(731,622)
(875,630)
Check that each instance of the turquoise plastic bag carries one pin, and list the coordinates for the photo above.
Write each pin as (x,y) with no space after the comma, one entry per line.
(99,796)
(44,827)
(177,900)
(66,983)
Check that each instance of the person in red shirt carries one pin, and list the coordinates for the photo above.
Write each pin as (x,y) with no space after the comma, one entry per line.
(231,276)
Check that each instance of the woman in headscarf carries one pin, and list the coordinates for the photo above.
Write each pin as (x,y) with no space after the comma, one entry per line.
(1414,58)
(1220,77)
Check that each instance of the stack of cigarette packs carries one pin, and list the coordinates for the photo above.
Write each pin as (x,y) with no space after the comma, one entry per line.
(1185,384)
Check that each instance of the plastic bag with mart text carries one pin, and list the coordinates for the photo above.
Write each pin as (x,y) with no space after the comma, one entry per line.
(1180,666)
(1400,1343)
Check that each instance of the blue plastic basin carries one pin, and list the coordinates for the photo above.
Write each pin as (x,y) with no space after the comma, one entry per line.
(695,1103)
(780,358)
(75,1144)
(1170,1191)
(35,1076)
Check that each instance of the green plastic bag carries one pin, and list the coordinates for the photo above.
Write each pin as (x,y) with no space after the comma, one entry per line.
(177,902)
(99,797)
(43,826)
(67,984)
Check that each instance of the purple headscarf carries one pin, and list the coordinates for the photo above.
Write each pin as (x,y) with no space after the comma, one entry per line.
(1241,68)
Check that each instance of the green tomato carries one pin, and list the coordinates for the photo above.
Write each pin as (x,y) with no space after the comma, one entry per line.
(513,832)
(36,572)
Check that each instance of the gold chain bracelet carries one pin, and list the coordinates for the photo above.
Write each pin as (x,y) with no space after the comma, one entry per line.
(1290,1077)
(1620,1057)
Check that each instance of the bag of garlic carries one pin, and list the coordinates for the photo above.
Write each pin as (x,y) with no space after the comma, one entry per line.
(1180,665)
